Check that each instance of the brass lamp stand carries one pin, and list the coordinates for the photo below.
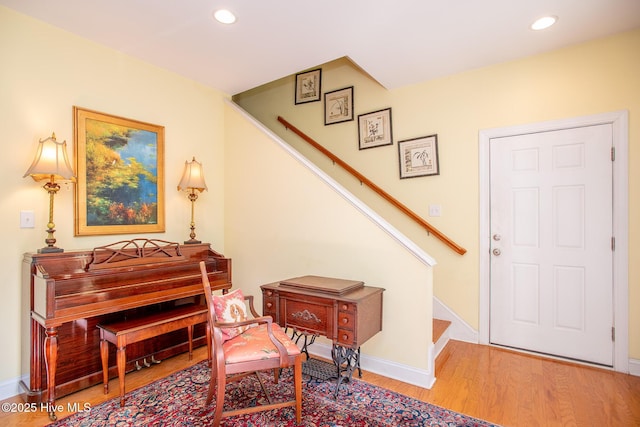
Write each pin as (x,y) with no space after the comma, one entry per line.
(51,162)
(192,181)
(52,188)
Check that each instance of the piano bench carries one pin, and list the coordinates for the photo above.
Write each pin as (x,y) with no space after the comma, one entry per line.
(131,331)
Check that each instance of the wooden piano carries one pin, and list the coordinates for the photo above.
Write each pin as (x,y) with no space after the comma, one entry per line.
(71,292)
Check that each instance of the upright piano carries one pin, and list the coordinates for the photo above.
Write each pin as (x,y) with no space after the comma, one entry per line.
(69,293)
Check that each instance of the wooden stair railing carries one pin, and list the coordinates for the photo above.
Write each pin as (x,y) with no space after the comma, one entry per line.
(424,224)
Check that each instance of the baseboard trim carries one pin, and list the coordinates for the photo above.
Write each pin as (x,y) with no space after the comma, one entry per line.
(407,374)
(10,388)
(634,367)
(439,345)
(459,330)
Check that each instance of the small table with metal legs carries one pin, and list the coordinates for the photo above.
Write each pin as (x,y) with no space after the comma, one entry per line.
(344,311)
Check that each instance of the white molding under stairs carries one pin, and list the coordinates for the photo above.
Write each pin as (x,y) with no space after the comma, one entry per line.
(459,329)
(440,335)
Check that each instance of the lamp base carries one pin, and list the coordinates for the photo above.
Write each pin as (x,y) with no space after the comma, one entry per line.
(192,242)
(50,250)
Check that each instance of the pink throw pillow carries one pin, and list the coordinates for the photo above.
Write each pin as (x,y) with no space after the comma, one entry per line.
(231,308)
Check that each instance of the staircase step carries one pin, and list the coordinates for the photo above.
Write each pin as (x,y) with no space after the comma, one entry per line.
(439,328)
(440,335)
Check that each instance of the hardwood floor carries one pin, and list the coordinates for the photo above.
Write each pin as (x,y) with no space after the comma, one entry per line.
(515,389)
(497,385)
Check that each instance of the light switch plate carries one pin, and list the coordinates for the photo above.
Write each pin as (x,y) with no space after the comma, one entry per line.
(27,219)
(435,210)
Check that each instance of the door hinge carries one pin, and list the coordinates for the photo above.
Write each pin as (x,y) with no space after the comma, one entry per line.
(613,154)
(613,333)
(613,243)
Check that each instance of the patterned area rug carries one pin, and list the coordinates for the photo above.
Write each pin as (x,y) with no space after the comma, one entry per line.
(178,400)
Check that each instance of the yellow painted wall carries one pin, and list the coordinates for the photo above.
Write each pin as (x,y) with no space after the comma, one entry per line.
(590,78)
(45,72)
(282,221)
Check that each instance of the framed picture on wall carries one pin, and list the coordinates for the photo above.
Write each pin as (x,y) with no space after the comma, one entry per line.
(419,157)
(308,86)
(338,106)
(374,129)
(120,167)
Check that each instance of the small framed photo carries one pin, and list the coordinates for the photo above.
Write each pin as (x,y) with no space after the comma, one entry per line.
(374,129)
(338,106)
(419,157)
(308,86)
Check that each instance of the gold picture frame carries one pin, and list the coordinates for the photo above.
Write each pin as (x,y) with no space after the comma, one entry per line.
(120,169)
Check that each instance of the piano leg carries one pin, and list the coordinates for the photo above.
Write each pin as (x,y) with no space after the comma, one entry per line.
(51,360)
(104,356)
(121,361)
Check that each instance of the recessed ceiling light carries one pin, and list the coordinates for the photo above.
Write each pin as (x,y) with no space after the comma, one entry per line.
(224,16)
(544,22)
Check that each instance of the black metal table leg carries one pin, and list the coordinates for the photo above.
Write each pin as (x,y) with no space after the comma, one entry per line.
(308,339)
(346,360)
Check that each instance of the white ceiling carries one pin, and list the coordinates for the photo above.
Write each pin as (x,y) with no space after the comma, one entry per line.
(397,42)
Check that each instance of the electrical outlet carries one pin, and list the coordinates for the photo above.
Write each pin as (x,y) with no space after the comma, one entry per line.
(27,219)
(435,210)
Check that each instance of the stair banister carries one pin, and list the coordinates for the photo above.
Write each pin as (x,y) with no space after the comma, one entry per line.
(415,217)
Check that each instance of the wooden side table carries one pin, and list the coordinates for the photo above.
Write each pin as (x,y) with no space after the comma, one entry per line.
(344,311)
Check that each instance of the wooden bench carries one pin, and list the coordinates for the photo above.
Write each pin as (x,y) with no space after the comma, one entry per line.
(131,331)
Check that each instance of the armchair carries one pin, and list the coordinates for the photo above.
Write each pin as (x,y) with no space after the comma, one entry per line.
(242,347)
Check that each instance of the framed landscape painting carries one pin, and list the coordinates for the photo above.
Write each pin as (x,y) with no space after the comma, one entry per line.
(120,168)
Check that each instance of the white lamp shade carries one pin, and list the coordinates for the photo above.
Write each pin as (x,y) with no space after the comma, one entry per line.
(51,159)
(192,177)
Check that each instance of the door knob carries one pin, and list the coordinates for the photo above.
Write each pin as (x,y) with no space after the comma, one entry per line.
(497,237)
(497,252)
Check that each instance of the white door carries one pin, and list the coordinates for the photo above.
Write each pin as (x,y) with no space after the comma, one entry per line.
(551,284)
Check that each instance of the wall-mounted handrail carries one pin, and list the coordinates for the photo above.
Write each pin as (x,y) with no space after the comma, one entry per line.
(424,224)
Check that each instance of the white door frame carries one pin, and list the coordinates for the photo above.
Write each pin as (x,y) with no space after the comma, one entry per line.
(619,121)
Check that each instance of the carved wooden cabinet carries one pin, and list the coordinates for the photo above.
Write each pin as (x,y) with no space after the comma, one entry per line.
(345,311)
